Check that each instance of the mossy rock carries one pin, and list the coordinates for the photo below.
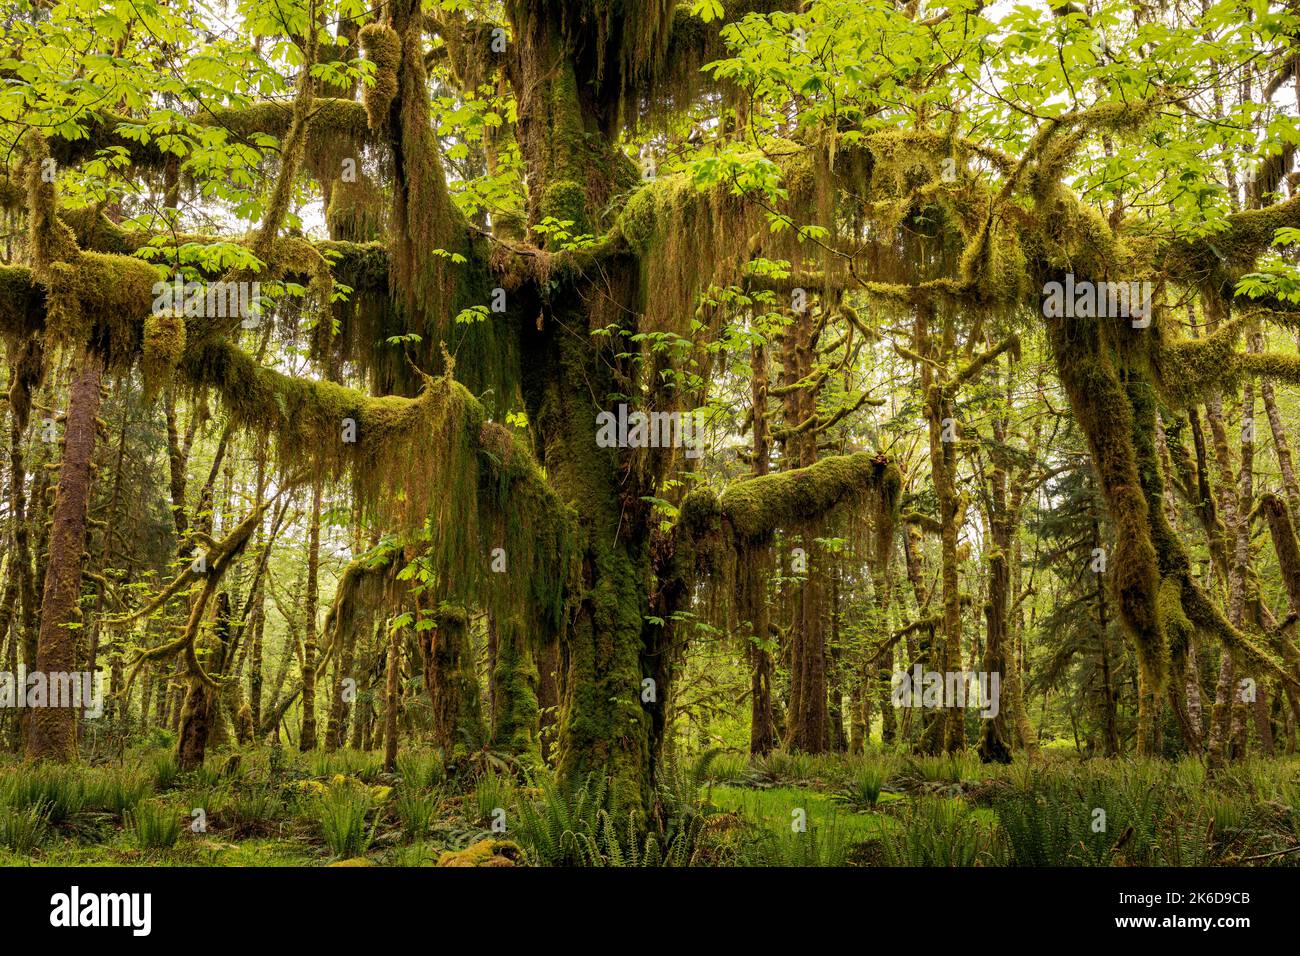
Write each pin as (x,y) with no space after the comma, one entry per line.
(484,853)
(353,861)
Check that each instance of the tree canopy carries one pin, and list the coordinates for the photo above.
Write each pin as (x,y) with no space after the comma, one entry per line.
(590,384)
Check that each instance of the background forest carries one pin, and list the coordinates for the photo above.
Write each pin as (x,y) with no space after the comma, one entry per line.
(313,316)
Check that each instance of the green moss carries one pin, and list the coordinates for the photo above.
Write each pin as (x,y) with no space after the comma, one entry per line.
(514,686)
(566,201)
(334,129)
(453,682)
(484,853)
(100,300)
(1173,619)
(94,230)
(1102,406)
(357,210)
(383,48)
(162,350)
(1216,261)
(21,303)
(759,506)
(49,240)
(1187,369)
(1283,368)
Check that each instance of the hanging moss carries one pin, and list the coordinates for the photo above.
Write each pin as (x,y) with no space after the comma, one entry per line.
(430,246)
(12,194)
(685,239)
(27,371)
(49,240)
(99,300)
(524,516)
(162,350)
(365,586)
(357,210)
(22,303)
(1187,369)
(615,47)
(384,49)
(334,129)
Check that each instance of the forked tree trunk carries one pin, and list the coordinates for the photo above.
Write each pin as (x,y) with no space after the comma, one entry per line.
(200,709)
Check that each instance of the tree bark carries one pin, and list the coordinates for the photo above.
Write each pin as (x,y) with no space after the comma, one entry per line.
(307,740)
(52,733)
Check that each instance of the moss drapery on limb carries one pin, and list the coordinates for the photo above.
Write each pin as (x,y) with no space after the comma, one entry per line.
(432,462)
(727,540)
(434,458)
(428,229)
(759,506)
(1216,261)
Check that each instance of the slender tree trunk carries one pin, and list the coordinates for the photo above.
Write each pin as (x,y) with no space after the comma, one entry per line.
(390,701)
(307,740)
(52,729)
(336,733)
(1220,737)
(762,726)
(993,747)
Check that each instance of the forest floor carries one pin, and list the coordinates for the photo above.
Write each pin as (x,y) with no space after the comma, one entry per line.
(274,807)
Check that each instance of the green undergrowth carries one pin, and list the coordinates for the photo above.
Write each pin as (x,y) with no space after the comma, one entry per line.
(270,806)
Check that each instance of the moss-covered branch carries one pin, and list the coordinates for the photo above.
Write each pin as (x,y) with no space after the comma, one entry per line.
(757,507)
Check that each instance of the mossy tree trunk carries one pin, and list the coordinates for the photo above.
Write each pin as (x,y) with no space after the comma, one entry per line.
(336,731)
(391,686)
(514,696)
(762,725)
(608,647)
(200,709)
(942,433)
(451,681)
(808,715)
(307,741)
(1282,531)
(52,730)
(26,367)
(603,728)
(994,742)
(1232,508)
